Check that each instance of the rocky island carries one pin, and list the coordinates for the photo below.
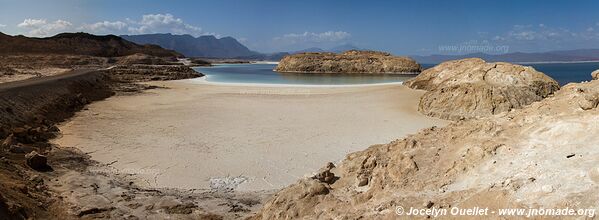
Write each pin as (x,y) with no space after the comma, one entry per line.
(471,88)
(349,62)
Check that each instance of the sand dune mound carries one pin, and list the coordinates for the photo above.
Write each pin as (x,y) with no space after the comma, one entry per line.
(540,156)
(352,61)
(471,88)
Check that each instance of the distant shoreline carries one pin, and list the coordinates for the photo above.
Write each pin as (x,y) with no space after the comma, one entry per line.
(204,80)
(538,62)
(549,62)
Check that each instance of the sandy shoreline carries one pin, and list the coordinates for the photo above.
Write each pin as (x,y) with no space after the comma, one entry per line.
(197,135)
(204,81)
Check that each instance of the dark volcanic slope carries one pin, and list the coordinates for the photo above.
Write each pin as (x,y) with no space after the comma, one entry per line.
(24,102)
(78,44)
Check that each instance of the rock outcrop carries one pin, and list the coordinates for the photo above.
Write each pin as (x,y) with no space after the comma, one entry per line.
(471,88)
(543,155)
(352,61)
(140,58)
(37,161)
(144,73)
(595,74)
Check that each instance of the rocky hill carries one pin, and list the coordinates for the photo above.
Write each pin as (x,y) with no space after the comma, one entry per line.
(204,46)
(543,155)
(78,44)
(471,88)
(353,61)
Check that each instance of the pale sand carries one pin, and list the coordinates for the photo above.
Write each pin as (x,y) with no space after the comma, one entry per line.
(183,136)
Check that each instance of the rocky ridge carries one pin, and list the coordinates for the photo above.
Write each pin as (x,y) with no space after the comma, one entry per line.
(79,44)
(472,88)
(349,62)
(543,155)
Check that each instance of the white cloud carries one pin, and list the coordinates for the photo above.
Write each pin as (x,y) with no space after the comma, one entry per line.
(536,33)
(104,27)
(329,36)
(41,27)
(162,23)
(2,25)
(149,23)
(523,35)
(499,38)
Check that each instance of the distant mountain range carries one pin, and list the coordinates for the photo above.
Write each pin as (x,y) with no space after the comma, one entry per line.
(519,57)
(203,46)
(228,47)
(78,44)
(211,47)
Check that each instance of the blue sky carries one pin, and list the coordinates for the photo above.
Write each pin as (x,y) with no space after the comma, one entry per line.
(401,27)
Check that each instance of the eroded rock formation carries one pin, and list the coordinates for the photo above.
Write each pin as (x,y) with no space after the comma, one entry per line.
(353,61)
(543,155)
(471,88)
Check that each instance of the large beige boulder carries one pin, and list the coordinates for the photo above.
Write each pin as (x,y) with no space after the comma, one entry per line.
(595,74)
(353,61)
(540,156)
(471,88)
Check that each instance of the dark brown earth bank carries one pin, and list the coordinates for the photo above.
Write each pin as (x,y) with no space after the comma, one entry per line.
(43,83)
(45,181)
(29,111)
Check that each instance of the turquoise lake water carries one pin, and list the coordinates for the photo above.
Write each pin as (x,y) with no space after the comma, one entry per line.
(262,73)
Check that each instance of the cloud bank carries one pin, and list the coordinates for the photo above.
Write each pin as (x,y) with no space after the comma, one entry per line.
(328,36)
(41,27)
(148,24)
(163,23)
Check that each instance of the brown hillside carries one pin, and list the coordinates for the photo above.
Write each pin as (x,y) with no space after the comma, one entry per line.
(78,44)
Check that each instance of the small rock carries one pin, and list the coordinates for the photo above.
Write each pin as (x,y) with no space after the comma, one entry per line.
(429,204)
(36,179)
(362,181)
(53,128)
(20,149)
(547,188)
(589,101)
(19,130)
(37,161)
(181,209)
(316,188)
(9,141)
(326,176)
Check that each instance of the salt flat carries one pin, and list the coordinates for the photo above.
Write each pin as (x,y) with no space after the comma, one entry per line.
(195,135)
